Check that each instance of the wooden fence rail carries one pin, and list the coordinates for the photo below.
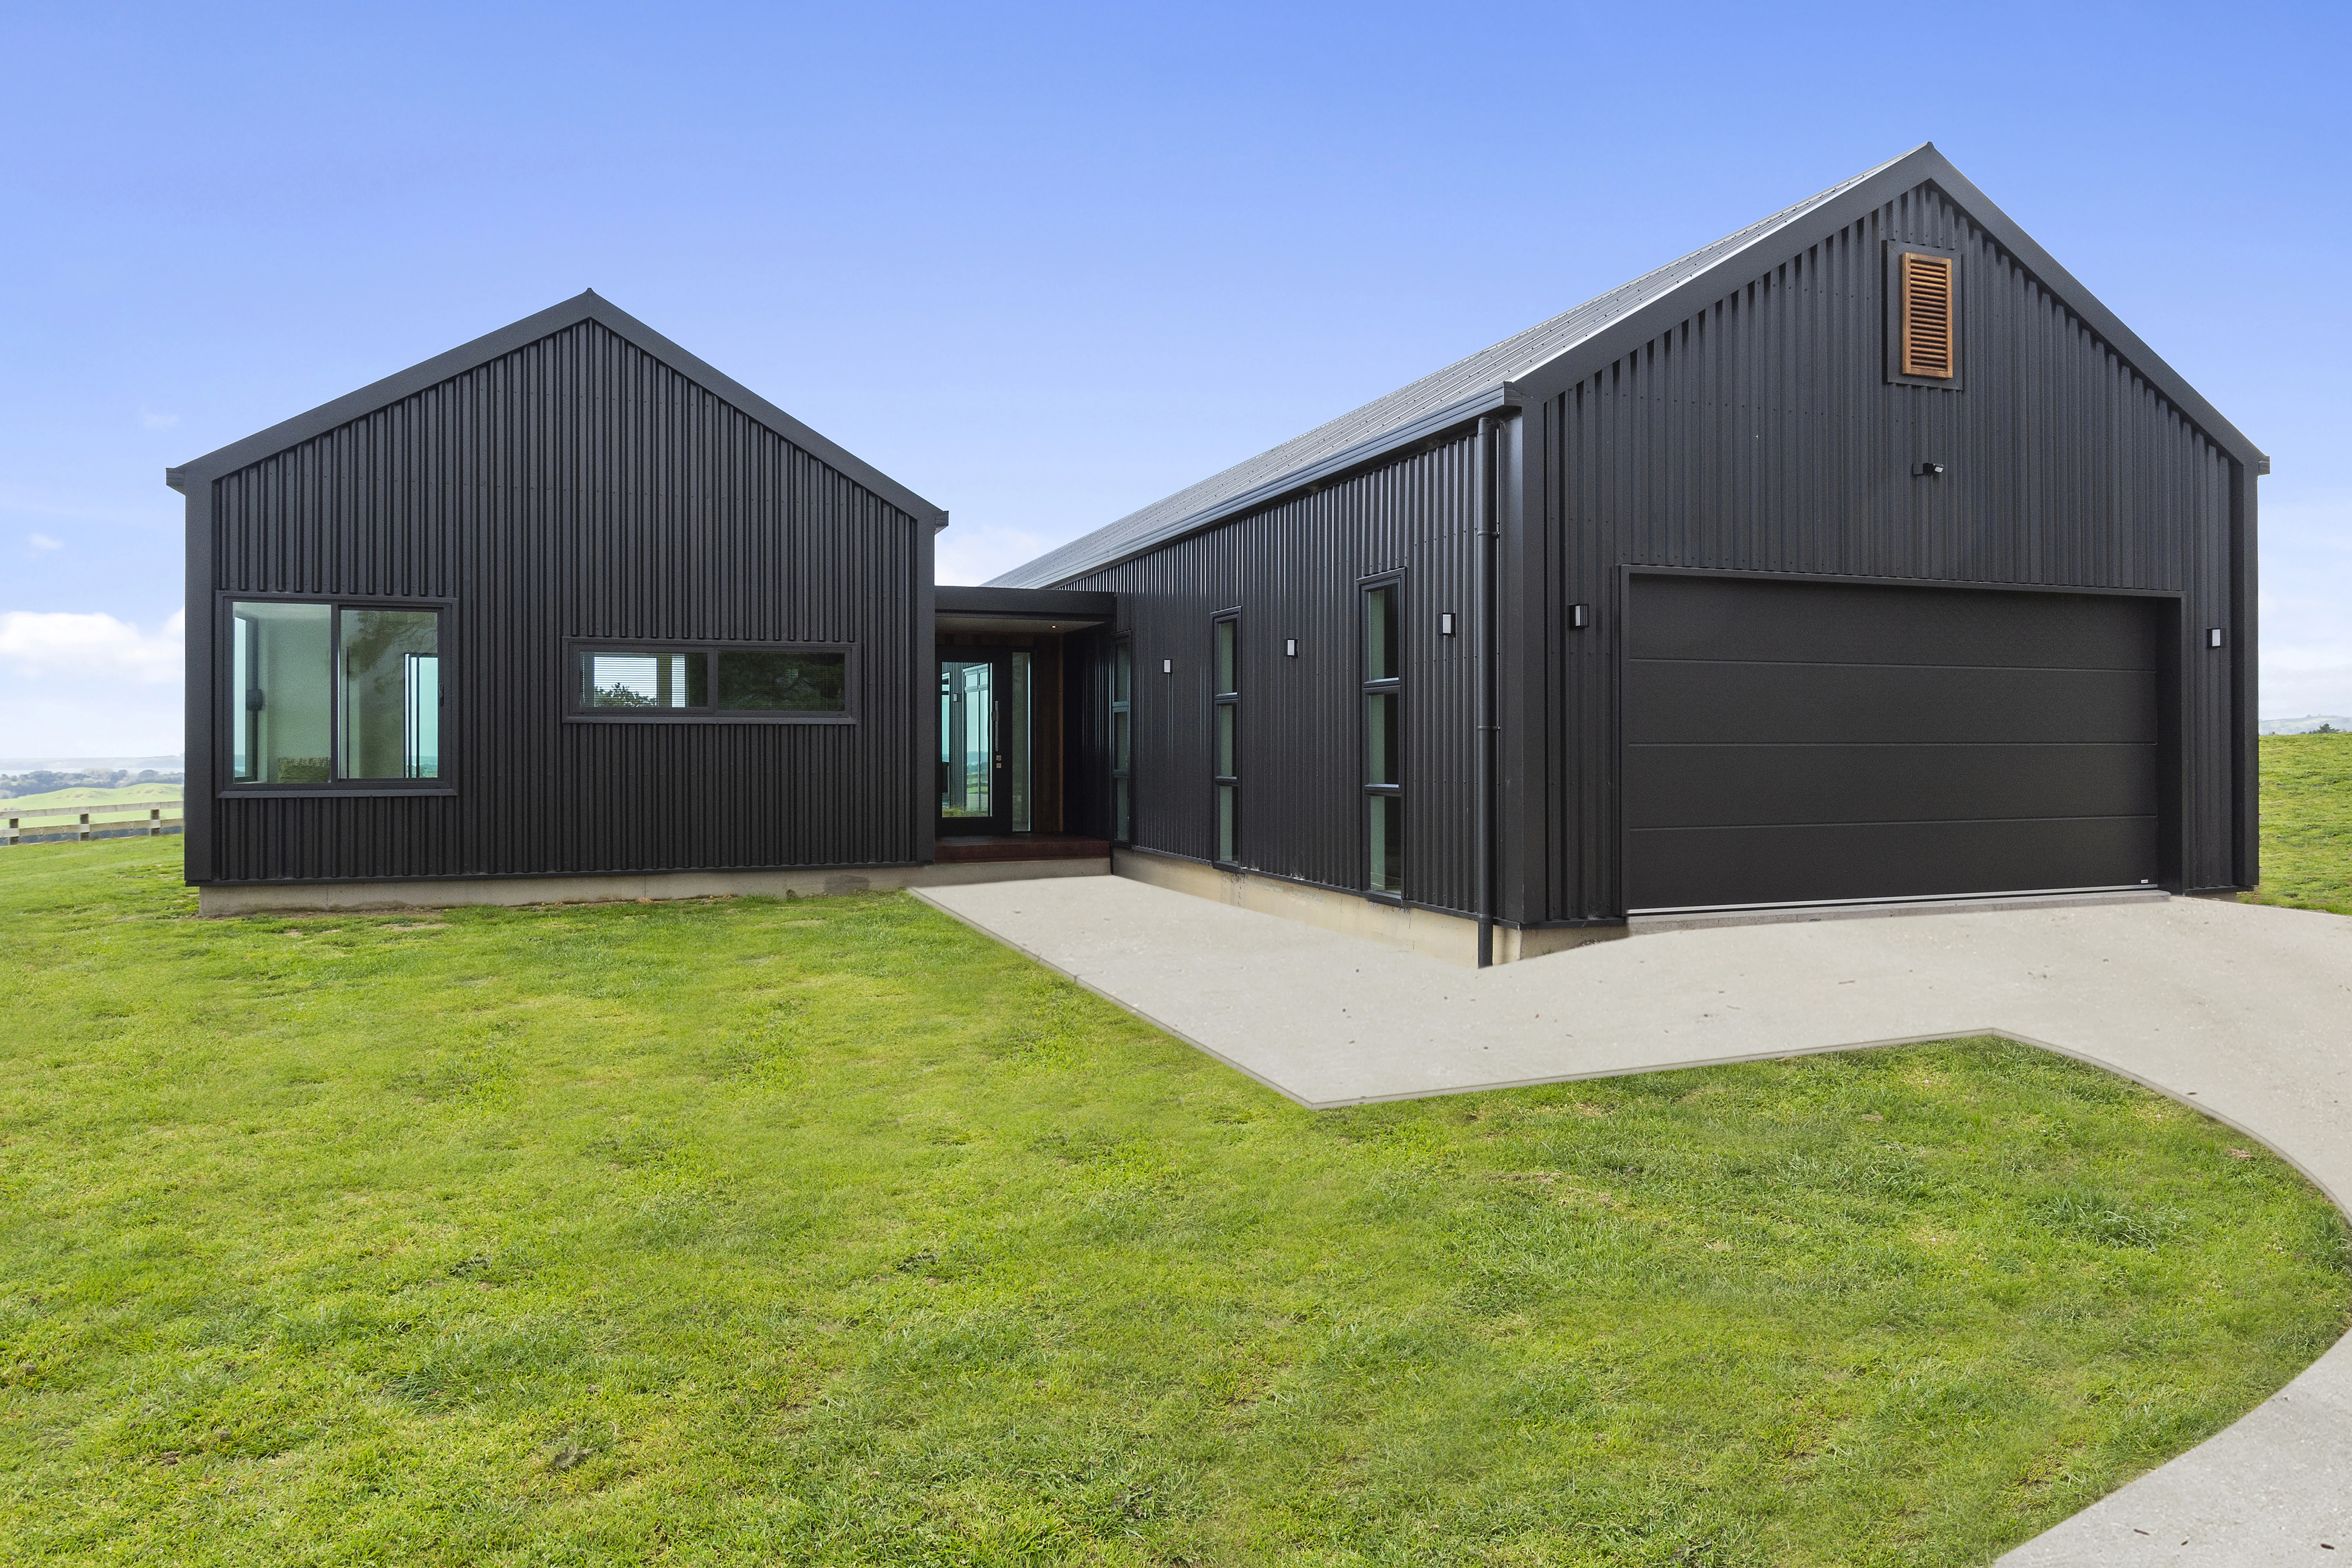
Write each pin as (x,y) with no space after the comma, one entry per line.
(13,819)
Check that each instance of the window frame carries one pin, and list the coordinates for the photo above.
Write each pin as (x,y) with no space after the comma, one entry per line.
(1222,702)
(1122,647)
(577,712)
(229,703)
(1367,688)
(1892,252)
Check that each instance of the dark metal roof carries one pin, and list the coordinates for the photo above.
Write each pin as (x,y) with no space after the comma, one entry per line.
(1488,379)
(585,306)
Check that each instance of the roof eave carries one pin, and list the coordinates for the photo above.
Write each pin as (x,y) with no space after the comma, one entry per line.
(587,305)
(1501,396)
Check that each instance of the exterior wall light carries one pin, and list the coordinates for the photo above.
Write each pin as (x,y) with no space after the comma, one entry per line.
(1576,616)
(2213,636)
(1290,647)
(1166,666)
(1927,471)
(1445,625)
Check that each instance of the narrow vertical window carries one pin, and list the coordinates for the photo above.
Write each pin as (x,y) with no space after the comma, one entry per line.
(1019,721)
(1383,741)
(1226,717)
(1122,741)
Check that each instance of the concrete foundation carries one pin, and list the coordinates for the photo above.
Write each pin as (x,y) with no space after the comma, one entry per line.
(1450,939)
(310,897)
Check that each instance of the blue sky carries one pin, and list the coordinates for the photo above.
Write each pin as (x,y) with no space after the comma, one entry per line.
(1045,264)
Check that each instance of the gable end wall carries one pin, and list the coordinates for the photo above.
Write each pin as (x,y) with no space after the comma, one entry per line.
(1760,435)
(576,486)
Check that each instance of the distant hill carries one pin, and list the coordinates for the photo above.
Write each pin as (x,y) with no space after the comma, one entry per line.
(129,795)
(2306,725)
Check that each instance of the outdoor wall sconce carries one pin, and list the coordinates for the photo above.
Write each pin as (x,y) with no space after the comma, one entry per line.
(1166,666)
(1927,471)
(1576,616)
(1445,625)
(2212,637)
(1290,647)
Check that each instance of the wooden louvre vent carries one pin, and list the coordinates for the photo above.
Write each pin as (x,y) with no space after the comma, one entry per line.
(1928,347)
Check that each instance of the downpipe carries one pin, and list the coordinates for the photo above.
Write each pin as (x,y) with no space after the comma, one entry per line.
(1483,514)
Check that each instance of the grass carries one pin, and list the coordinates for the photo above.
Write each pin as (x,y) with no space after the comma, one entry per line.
(2306,793)
(830,1232)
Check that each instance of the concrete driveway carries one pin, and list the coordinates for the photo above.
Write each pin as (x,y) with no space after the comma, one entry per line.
(2242,1011)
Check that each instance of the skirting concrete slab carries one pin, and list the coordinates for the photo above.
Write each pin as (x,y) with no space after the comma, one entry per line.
(313,896)
(2243,1012)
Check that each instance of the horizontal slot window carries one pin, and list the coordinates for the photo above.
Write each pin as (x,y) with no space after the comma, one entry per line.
(621,682)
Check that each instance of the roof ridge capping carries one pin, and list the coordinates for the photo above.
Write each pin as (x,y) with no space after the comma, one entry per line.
(585,306)
(1486,379)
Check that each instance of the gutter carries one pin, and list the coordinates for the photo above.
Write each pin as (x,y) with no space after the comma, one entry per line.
(1438,421)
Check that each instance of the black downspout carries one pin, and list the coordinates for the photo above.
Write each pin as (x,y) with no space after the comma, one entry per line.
(1482,511)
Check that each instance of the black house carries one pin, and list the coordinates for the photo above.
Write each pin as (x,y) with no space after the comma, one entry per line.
(1859,556)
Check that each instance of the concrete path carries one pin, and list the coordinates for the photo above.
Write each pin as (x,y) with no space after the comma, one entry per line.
(2244,1012)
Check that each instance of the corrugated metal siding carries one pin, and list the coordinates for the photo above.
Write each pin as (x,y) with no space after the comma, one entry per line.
(1760,434)
(578,487)
(1295,570)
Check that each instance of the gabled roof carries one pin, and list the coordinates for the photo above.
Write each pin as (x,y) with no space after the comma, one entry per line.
(1577,340)
(587,306)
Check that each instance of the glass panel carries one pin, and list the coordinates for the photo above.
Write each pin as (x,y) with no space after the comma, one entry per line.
(1380,634)
(1227,654)
(1118,791)
(771,680)
(283,657)
(1119,742)
(1122,674)
(644,680)
(382,655)
(1227,713)
(967,737)
(1381,738)
(240,685)
(1018,720)
(1225,808)
(1386,816)
(422,730)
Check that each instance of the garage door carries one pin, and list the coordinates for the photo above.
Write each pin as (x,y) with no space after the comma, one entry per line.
(1801,742)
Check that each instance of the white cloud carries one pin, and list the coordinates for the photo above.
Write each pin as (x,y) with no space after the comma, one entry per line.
(40,542)
(88,686)
(45,646)
(159,421)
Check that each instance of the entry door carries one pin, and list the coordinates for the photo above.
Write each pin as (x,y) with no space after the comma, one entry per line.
(1792,743)
(971,752)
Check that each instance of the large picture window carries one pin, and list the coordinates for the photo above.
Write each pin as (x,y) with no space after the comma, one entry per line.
(652,681)
(324,694)
(1383,740)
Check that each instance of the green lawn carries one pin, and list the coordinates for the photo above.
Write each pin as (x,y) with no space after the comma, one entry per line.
(832,1232)
(2307,823)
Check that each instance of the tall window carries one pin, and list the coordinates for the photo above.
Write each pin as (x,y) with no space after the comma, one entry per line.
(325,693)
(1383,741)
(1226,712)
(654,680)
(1122,741)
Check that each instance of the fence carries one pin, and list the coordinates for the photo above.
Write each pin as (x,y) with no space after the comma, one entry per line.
(14,821)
